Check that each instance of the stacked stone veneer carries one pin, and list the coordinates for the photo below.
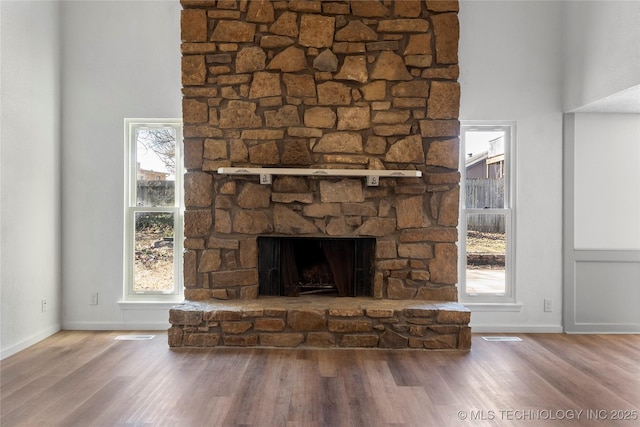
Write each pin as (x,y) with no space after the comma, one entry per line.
(333,84)
(317,323)
(321,84)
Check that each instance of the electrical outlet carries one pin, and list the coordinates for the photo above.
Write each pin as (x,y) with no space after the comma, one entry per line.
(548,305)
(93,299)
(44,306)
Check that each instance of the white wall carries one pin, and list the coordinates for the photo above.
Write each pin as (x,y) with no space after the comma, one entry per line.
(607,182)
(120,59)
(30,184)
(511,69)
(127,65)
(602,50)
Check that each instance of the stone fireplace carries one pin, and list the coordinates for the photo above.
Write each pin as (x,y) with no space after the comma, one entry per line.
(357,93)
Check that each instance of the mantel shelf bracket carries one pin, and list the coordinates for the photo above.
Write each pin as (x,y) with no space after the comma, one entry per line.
(373,176)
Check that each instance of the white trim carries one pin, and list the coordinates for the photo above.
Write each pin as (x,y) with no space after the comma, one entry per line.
(598,330)
(514,329)
(28,342)
(477,307)
(568,238)
(116,326)
(606,255)
(148,305)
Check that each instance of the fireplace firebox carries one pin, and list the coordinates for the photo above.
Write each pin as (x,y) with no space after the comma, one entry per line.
(295,266)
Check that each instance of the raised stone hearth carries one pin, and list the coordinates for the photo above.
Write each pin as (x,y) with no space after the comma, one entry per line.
(321,322)
(321,85)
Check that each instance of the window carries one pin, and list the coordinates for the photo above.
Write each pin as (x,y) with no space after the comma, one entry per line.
(487,212)
(153,210)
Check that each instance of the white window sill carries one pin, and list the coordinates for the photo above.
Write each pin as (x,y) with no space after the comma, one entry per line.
(148,305)
(493,306)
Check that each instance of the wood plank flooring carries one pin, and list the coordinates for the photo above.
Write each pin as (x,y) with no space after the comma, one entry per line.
(90,379)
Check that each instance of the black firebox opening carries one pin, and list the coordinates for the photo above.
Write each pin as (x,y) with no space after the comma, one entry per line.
(293,266)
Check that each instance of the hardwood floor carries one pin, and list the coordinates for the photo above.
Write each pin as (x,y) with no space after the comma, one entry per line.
(88,378)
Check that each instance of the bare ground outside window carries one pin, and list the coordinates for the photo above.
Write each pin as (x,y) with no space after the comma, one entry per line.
(154,257)
(479,242)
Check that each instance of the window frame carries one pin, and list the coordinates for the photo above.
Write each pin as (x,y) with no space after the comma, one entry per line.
(509,211)
(131,209)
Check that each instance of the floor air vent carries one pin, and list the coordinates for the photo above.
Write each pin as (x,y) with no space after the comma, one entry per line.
(502,339)
(134,337)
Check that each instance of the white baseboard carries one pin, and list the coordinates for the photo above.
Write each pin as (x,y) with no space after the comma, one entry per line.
(28,342)
(115,326)
(514,329)
(600,329)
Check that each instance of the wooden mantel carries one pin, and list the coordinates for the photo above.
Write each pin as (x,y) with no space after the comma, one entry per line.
(372,175)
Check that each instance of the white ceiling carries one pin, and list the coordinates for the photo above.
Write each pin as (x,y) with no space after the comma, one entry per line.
(626,101)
